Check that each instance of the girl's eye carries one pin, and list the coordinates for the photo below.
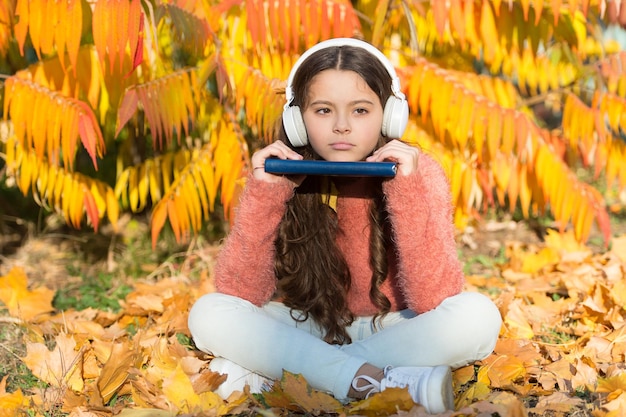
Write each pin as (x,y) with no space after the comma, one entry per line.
(323,110)
(360,111)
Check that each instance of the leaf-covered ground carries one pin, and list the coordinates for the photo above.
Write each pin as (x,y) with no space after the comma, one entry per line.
(85,336)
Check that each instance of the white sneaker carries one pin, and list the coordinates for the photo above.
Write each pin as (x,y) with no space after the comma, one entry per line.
(237,378)
(429,386)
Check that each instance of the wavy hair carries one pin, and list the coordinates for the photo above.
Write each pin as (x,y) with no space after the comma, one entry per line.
(313,276)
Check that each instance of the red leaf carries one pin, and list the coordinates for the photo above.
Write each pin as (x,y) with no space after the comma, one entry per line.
(127,109)
(138,56)
(89,132)
(92,209)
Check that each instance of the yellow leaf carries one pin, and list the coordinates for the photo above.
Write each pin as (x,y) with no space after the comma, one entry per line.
(172,215)
(565,241)
(142,184)
(534,262)
(115,371)
(202,189)
(293,392)
(516,323)
(488,32)
(21,27)
(60,367)
(500,371)
(179,391)
(21,301)
(479,129)
(10,402)
(35,23)
(388,402)
(73,27)
(612,385)
(190,190)
(494,129)
(133,189)
(208,176)
(157,220)
(476,392)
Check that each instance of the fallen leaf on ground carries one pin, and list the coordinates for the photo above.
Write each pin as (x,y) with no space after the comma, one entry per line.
(22,302)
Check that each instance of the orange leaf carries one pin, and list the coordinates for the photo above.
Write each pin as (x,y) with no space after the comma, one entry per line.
(538,6)
(516,323)
(115,371)
(135,29)
(92,209)
(73,30)
(11,403)
(35,22)
(60,367)
(127,109)
(172,215)
(89,133)
(440,16)
(508,131)
(488,31)
(494,129)
(457,21)
(21,27)
(122,29)
(284,23)
(501,370)
(388,402)
(99,23)
(22,302)
(180,393)
(293,392)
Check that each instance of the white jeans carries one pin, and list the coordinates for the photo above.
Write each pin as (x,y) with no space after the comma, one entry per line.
(461,330)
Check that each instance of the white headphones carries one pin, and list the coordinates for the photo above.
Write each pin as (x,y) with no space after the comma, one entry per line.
(395,114)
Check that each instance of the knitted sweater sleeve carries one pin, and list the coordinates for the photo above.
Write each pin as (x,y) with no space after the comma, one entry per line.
(420,209)
(245,264)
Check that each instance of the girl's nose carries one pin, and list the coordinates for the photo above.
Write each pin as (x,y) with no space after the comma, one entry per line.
(342,125)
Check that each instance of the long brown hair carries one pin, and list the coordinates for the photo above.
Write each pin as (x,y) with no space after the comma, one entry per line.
(313,275)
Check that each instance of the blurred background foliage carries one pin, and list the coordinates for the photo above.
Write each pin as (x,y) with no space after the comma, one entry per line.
(151,109)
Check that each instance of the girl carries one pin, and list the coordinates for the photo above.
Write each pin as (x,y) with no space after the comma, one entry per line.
(352,282)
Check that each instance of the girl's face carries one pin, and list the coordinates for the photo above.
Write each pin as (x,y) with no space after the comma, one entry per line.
(343,116)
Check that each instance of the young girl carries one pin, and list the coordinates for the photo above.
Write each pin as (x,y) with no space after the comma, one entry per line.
(352,282)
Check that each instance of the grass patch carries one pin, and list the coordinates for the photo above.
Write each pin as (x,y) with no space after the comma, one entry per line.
(100,292)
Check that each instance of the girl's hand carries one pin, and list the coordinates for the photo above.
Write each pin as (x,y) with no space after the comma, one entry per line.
(277,150)
(404,155)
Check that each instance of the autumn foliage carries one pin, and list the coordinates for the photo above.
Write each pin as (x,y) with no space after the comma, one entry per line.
(561,349)
(116,107)
(123,106)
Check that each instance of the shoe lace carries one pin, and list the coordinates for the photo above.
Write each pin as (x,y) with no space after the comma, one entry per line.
(373,386)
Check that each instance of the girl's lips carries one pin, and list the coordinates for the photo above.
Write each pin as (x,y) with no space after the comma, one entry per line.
(341,146)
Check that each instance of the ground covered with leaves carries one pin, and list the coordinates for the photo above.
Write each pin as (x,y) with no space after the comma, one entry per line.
(101,335)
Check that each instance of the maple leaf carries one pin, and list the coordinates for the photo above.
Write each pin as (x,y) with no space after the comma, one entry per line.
(180,392)
(556,403)
(60,367)
(614,385)
(616,406)
(387,402)
(475,392)
(293,392)
(501,371)
(10,403)
(516,323)
(115,371)
(20,301)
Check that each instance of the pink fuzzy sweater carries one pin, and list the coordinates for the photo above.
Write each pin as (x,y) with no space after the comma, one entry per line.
(425,271)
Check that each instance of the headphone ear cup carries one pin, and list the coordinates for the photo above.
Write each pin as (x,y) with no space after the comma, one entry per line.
(294,126)
(395,117)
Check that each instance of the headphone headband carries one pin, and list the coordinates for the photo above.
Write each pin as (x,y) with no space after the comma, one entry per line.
(395,82)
